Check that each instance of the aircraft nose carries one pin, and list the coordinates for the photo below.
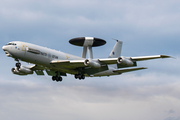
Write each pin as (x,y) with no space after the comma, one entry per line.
(4,48)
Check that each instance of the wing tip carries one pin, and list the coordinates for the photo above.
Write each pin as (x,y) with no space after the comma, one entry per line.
(165,56)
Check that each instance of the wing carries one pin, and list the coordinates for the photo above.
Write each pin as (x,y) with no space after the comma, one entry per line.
(149,57)
(80,63)
(38,69)
(72,64)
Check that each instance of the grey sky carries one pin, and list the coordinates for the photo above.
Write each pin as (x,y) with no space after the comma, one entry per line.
(145,27)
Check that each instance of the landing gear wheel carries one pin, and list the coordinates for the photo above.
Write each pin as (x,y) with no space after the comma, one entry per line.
(79,76)
(53,78)
(56,78)
(59,79)
(82,77)
(76,76)
(18,65)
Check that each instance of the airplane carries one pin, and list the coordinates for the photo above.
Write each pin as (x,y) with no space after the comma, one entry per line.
(58,64)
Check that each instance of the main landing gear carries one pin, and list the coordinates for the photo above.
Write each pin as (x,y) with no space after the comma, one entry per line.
(79,76)
(57,77)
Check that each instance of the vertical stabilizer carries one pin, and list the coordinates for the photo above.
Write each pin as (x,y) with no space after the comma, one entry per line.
(116,51)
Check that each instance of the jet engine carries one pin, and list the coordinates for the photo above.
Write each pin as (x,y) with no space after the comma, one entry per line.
(125,61)
(92,63)
(21,71)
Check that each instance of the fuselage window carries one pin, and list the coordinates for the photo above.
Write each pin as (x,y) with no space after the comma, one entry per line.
(33,50)
(11,44)
(49,55)
(54,56)
(43,53)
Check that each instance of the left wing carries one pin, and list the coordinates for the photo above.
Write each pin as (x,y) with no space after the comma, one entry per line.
(73,64)
(70,66)
(149,57)
(80,63)
(68,63)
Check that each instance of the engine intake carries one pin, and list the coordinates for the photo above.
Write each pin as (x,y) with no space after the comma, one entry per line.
(125,61)
(92,63)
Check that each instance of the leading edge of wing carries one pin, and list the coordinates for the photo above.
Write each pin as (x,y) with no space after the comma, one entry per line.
(149,57)
(69,63)
(81,62)
(119,71)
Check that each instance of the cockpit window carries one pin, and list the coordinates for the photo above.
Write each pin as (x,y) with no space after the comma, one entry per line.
(11,44)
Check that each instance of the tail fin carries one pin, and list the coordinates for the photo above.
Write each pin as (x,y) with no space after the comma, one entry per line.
(116,51)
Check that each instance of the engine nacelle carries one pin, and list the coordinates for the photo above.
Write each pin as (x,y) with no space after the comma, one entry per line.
(125,61)
(92,63)
(21,71)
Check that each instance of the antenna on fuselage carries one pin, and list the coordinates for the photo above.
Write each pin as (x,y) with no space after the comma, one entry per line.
(87,43)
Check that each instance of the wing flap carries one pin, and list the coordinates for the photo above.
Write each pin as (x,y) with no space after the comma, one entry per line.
(149,57)
(128,70)
(39,72)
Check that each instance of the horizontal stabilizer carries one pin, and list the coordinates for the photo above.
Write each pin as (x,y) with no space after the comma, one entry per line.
(149,57)
(128,70)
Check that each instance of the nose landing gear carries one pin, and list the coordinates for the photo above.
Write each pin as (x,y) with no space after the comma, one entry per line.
(18,64)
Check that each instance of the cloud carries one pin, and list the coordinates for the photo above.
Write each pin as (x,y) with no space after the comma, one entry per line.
(171,111)
(172,118)
(142,92)
(148,95)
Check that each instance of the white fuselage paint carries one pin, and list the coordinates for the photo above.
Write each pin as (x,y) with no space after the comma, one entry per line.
(44,56)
